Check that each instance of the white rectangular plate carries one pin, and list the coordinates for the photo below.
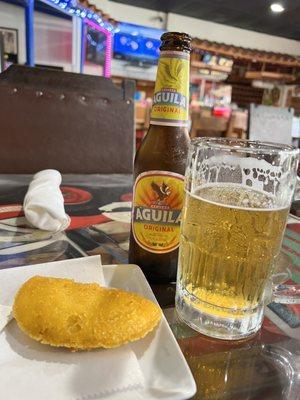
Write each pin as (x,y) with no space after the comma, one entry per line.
(164,367)
(165,370)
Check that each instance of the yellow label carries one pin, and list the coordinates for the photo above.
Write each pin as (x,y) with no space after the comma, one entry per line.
(171,93)
(156,210)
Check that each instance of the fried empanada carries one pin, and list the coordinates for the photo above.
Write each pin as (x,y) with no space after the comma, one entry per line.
(81,316)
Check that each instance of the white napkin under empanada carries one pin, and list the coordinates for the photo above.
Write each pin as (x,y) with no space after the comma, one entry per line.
(32,371)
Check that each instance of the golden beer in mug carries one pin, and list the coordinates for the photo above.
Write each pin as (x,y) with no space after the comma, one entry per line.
(232,224)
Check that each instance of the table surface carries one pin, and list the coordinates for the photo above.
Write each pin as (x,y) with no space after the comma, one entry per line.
(264,367)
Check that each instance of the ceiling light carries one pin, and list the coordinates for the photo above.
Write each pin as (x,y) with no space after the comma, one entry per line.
(277,7)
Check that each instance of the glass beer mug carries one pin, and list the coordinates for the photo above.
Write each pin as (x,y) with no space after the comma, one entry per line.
(238,195)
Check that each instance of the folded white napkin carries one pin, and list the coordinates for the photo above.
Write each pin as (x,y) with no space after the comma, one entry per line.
(45,372)
(44,203)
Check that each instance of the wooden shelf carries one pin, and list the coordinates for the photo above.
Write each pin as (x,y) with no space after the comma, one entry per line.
(217,68)
(252,55)
(269,75)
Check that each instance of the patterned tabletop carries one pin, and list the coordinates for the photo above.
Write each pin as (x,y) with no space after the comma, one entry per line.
(264,367)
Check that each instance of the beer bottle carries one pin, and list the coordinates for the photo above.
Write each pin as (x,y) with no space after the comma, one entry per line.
(160,165)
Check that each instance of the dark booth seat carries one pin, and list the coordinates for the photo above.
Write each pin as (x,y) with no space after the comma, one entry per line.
(72,122)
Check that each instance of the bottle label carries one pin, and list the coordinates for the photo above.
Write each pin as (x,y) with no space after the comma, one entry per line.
(156,210)
(171,93)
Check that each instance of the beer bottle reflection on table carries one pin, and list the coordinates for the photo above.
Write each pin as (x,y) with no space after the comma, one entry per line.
(160,165)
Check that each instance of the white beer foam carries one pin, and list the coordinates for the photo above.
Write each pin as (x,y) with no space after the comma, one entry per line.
(235,186)
(253,173)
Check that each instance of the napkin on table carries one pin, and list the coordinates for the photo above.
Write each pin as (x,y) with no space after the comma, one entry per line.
(30,370)
(44,203)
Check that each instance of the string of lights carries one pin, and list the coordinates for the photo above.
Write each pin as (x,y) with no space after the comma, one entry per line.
(74,8)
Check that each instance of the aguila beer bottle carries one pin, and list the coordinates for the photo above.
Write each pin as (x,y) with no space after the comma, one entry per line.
(160,165)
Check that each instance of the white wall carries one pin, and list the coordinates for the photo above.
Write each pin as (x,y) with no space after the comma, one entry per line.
(200,28)
(131,14)
(230,35)
(12,16)
(102,5)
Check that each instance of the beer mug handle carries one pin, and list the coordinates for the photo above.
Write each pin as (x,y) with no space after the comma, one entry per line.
(286,294)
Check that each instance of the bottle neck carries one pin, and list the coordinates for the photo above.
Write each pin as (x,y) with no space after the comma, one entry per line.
(171,93)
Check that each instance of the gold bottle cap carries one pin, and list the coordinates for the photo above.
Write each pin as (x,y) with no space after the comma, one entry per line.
(176,41)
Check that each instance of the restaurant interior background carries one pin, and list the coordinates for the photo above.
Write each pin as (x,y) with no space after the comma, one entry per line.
(245,65)
(244,82)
